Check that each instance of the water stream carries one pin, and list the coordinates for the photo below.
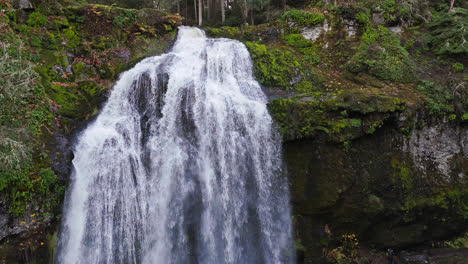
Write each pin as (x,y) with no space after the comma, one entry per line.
(182,165)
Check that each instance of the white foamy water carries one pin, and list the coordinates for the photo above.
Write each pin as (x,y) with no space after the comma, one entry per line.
(182,165)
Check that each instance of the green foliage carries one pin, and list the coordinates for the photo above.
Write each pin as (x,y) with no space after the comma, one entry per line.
(17,76)
(37,19)
(50,189)
(382,56)
(303,18)
(305,46)
(16,187)
(304,86)
(448,32)
(464,117)
(362,18)
(355,122)
(459,242)
(24,110)
(72,39)
(297,41)
(323,114)
(453,200)
(19,120)
(439,99)
(458,67)
(347,252)
(125,18)
(274,67)
(402,175)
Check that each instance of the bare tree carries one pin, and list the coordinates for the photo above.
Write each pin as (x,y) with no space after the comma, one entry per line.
(200,13)
(223,14)
(195,9)
(245,11)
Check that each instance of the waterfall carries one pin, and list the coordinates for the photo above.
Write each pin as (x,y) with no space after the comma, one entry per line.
(182,165)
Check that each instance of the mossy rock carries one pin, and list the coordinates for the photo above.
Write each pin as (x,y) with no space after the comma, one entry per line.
(274,67)
(319,113)
(382,56)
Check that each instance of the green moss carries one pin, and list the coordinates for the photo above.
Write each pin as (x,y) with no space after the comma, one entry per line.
(382,56)
(305,86)
(274,67)
(464,117)
(37,19)
(224,32)
(60,23)
(439,99)
(71,37)
(458,67)
(362,18)
(402,175)
(297,41)
(50,42)
(303,18)
(321,114)
(16,187)
(454,200)
(49,188)
(71,95)
(304,46)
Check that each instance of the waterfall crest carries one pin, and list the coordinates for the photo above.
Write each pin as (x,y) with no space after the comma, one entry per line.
(182,165)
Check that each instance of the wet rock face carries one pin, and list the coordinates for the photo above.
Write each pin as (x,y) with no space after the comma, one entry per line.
(383,187)
(313,33)
(436,145)
(351,26)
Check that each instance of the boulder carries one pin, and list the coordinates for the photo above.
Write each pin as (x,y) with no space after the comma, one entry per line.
(23,5)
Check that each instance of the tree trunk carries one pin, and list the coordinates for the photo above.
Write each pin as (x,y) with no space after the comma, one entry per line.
(178,7)
(195,9)
(268,12)
(223,14)
(245,12)
(252,22)
(452,2)
(200,13)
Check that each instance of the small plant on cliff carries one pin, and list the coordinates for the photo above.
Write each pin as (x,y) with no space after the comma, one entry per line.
(274,67)
(458,67)
(382,56)
(37,19)
(348,252)
(449,34)
(439,99)
(303,18)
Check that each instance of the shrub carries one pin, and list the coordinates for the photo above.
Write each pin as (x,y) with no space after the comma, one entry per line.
(297,41)
(458,67)
(72,39)
(303,18)
(448,34)
(439,99)
(37,19)
(362,18)
(464,117)
(382,56)
(17,76)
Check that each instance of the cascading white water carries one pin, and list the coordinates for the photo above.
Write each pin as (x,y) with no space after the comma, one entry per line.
(181,166)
